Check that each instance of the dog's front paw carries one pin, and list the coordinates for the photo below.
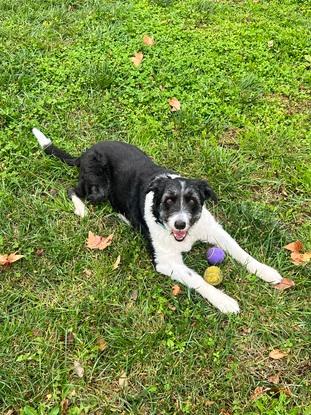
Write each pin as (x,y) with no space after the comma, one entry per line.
(226,304)
(268,274)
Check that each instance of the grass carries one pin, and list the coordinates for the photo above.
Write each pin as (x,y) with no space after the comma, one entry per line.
(241,70)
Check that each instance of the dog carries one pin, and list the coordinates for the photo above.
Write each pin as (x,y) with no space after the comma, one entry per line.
(168,209)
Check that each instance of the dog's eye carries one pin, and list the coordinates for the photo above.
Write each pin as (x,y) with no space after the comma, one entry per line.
(191,201)
(169,201)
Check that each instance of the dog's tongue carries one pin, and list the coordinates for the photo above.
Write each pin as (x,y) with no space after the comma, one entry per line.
(179,235)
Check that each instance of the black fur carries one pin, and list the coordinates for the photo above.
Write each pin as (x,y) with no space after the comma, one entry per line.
(123,175)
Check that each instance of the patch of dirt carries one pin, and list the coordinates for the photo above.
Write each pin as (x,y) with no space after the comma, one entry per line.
(230,138)
(289,105)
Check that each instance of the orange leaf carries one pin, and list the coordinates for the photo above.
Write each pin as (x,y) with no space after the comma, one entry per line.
(294,246)
(284,284)
(275,379)
(101,344)
(137,58)
(7,260)
(175,104)
(98,242)
(149,41)
(260,390)
(277,354)
(306,256)
(176,290)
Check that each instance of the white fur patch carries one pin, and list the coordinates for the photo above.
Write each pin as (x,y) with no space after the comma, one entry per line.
(80,208)
(42,139)
(168,255)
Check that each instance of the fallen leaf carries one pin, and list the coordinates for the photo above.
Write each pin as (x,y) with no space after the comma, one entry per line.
(117,263)
(246,330)
(98,242)
(175,104)
(224,412)
(270,44)
(260,390)
(69,338)
(123,381)
(294,246)
(148,41)
(87,272)
(134,295)
(284,284)
(275,379)
(137,58)
(299,259)
(285,390)
(64,406)
(39,252)
(277,354)
(102,344)
(78,369)
(176,290)
(7,260)
(209,403)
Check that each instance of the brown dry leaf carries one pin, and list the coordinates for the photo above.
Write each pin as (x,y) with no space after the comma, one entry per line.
(137,58)
(294,246)
(277,354)
(134,295)
(123,381)
(148,41)
(117,263)
(7,260)
(224,412)
(102,344)
(176,290)
(246,330)
(78,369)
(39,251)
(69,338)
(98,242)
(286,390)
(299,258)
(175,104)
(260,390)
(64,406)
(87,272)
(275,379)
(296,258)
(284,284)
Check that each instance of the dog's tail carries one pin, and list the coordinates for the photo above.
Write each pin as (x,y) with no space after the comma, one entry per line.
(49,148)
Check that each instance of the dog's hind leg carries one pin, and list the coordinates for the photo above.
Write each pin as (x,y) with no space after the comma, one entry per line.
(80,208)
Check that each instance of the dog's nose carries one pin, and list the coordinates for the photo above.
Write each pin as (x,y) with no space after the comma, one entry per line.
(180,224)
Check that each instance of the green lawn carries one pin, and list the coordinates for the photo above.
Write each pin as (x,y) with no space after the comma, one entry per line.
(241,70)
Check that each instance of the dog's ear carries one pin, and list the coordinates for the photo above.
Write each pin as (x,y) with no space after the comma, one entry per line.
(157,185)
(205,191)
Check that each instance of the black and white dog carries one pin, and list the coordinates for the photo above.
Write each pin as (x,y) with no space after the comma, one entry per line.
(168,209)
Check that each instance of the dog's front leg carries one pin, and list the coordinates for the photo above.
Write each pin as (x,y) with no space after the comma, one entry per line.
(173,266)
(80,208)
(215,234)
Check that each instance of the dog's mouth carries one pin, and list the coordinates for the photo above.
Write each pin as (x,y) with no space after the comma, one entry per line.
(179,235)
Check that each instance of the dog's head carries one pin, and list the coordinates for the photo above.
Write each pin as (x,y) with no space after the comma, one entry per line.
(178,202)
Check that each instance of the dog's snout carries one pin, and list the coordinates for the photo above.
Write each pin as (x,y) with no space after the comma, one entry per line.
(180,224)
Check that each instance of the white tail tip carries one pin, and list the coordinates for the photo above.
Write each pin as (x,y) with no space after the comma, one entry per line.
(42,139)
